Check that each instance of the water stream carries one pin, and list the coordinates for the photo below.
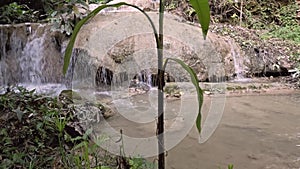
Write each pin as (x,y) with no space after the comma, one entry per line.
(256,132)
(238,62)
(31,59)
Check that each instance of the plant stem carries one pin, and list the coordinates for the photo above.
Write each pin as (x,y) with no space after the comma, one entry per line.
(160,124)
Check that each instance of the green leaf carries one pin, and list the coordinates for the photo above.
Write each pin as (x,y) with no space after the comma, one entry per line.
(230,166)
(202,9)
(68,52)
(195,82)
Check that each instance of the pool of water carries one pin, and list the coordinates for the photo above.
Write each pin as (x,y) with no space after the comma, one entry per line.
(255,132)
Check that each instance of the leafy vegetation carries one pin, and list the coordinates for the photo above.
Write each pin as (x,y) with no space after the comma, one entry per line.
(36,133)
(287,28)
(64,14)
(14,13)
(277,18)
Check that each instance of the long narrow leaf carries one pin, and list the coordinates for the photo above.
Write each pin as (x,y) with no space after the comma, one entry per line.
(195,82)
(202,9)
(68,52)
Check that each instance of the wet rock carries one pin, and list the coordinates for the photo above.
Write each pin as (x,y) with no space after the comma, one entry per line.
(88,115)
(252,156)
(68,96)
(134,50)
(172,90)
(139,87)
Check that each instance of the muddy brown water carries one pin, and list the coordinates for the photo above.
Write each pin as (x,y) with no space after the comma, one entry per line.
(255,132)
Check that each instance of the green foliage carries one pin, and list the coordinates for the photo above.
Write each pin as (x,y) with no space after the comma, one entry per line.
(25,141)
(291,33)
(257,14)
(64,15)
(39,139)
(277,17)
(230,166)
(287,27)
(140,163)
(15,13)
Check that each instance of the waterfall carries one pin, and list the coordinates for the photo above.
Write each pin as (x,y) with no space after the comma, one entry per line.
(30,60)
(145,77)
(30,53)
(237,61)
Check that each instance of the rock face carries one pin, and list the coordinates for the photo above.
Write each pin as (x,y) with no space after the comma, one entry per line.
(118,47)
(263,61)
(260,57)
(232,57)
(123,43)
(30,53)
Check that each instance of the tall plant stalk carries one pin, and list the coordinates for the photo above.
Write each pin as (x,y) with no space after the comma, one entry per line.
(202,9)
(160,111)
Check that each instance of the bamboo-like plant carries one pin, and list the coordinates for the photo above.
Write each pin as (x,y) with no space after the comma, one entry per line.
(201,7)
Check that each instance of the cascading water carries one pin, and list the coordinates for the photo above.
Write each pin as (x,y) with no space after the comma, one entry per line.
(31,56)
(238,62)
(145,77)
(30,60)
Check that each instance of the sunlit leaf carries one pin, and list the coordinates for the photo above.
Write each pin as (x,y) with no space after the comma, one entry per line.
(201,7)
(68,52)
(195,82)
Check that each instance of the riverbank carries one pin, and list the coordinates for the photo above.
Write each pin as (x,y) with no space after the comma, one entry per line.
(250,86)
